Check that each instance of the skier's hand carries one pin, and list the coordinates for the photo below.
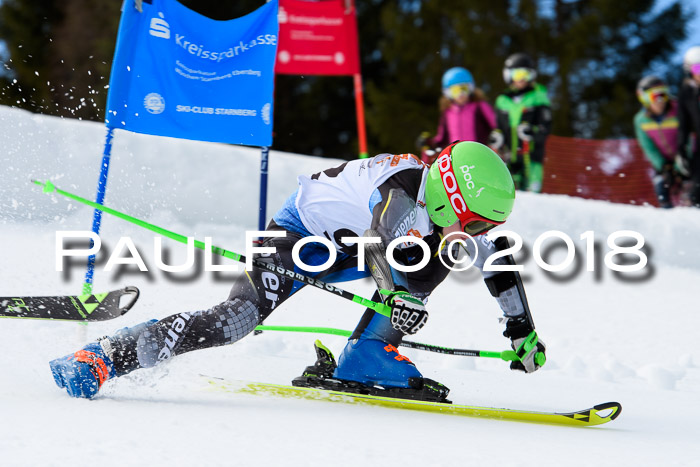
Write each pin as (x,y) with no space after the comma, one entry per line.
(531,351)
(408,314)
(423,141)
(525,132)
(496,139)
(683,166)
(429,155)
(668,173)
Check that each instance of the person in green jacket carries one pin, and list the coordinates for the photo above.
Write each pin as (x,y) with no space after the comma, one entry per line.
(656,127)
(524,118)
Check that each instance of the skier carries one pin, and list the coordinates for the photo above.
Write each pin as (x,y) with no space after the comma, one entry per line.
(524,121)
(468,190)
(656,126)
(688,160)
(465,115)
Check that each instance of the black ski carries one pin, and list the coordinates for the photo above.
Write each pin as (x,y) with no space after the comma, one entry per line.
(420,389)
(91,307)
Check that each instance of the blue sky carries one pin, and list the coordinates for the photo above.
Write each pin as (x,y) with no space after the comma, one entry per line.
(693,27)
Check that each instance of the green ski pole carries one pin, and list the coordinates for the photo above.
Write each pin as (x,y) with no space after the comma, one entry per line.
(380,308)
(506,355)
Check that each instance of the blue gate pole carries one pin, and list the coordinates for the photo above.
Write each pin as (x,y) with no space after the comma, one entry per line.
(262,217)
(99,199)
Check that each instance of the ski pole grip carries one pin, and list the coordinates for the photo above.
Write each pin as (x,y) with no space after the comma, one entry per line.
(540,358)
(380,308)
(509,356)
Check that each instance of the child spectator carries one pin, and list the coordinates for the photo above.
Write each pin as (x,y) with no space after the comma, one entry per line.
(524,122)
(465,115)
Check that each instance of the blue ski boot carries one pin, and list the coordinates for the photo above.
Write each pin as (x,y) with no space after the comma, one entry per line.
(373,358)
(375,363)
(370,365)
(84,372)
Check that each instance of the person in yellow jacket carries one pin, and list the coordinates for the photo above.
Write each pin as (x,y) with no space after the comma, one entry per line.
(656,127)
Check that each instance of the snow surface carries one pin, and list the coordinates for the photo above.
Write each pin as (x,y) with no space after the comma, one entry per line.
(630,338)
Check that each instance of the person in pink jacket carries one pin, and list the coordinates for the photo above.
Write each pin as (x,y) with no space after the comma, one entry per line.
(465,114)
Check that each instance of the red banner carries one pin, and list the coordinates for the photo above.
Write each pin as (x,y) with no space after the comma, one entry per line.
(317,38)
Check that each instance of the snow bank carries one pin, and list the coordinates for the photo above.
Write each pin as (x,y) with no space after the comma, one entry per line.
(632,339)
(208,183)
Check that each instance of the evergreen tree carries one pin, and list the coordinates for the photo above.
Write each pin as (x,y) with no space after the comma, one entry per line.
(603,49)
(25,31)
(60,53)
(420,40)
(590,53)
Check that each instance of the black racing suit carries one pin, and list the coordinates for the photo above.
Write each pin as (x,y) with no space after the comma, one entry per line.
(689,124)
(257,293)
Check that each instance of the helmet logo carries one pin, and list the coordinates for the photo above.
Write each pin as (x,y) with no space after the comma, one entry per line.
(468,176)
(450,183)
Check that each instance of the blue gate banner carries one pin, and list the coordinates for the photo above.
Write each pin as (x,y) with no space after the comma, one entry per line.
(178,73)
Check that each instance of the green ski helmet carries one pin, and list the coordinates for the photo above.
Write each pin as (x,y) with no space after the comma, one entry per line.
(469,183)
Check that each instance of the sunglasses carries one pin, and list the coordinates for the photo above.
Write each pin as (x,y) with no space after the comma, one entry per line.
(457,90)
(522,74)
(478,225)
(657,93)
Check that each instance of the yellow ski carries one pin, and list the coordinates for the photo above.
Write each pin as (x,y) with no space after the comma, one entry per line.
(597,415)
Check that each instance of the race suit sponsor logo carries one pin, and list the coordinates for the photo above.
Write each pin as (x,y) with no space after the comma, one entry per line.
(174,334)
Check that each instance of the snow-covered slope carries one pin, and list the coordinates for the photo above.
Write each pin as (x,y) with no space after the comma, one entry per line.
(609,337)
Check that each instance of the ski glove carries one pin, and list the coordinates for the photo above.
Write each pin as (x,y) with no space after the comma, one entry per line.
(667,172)
(526,132)
(531,351)
(423,141)
(496,139)
(683,165)
(408,314)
